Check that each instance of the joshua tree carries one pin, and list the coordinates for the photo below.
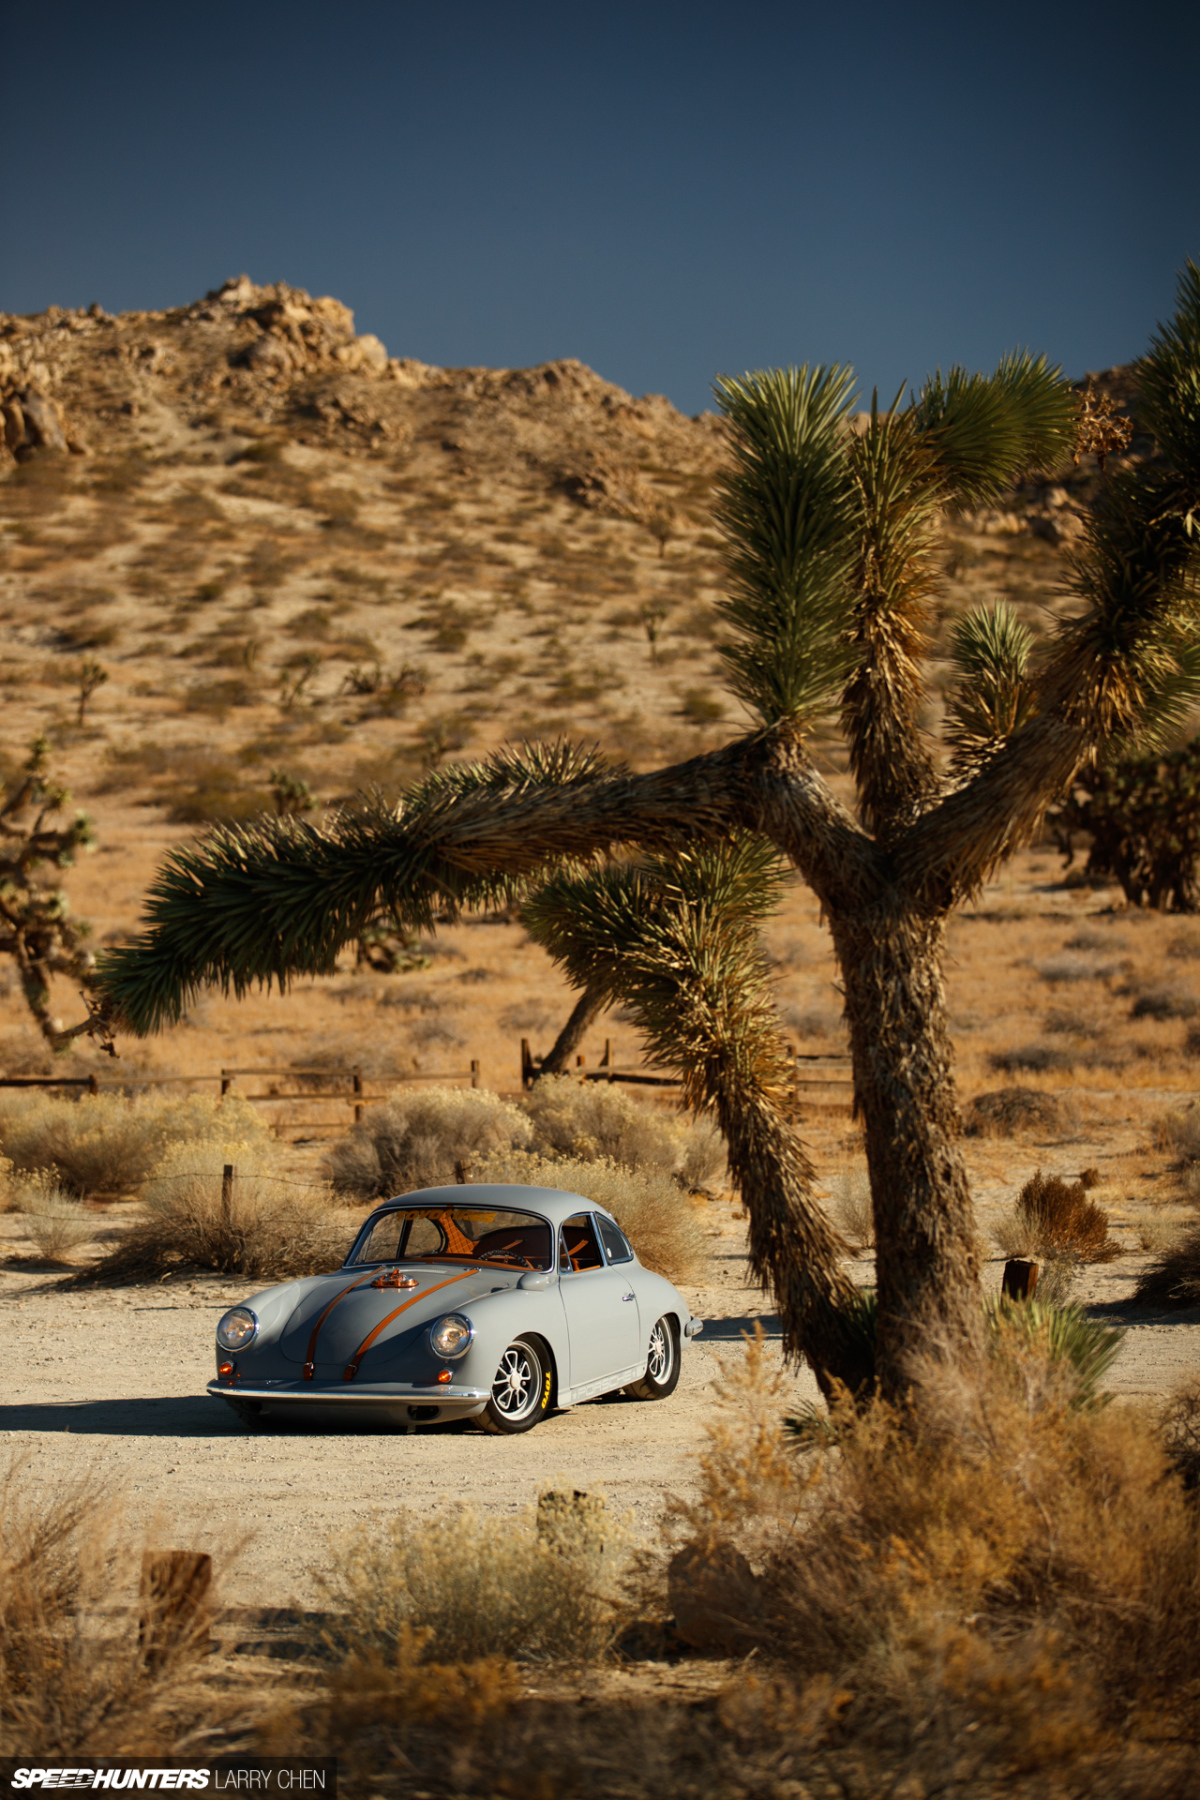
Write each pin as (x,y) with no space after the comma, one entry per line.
(36,928)
(831,537)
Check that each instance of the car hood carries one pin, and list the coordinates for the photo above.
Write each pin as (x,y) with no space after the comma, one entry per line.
(344,1309)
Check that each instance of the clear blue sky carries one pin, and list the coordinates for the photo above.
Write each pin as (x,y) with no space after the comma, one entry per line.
(664,190)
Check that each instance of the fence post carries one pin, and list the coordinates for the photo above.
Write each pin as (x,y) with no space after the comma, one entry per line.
(357,1076)
(226,1082)
(526,1065)
(93,1085)
(606,1059)
(227,1195)
(474,1071)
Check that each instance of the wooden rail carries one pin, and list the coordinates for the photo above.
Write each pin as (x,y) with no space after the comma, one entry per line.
(824,1080)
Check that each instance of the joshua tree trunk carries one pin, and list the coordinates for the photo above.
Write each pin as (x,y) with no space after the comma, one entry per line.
(588,1007)
(926,1262)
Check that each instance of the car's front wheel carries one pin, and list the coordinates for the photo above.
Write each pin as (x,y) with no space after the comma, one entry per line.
(662,1363)
(520,1391)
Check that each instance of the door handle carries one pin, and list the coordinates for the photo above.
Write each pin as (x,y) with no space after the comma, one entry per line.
(627,1296)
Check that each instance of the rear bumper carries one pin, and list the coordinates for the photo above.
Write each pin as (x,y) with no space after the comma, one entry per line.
(393,1403)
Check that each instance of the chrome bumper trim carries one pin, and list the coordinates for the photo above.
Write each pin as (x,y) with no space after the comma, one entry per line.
(339,1396)
(693,1328)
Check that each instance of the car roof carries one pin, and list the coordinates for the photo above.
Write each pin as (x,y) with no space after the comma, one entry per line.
(554,1204)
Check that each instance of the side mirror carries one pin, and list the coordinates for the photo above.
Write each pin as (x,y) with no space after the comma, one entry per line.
(535,1280)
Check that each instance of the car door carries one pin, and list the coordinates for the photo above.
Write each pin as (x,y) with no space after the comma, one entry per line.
(602,1315)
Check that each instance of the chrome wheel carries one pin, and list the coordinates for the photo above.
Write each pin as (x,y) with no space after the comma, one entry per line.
(662,1363)
(661,1354)
(520,1390)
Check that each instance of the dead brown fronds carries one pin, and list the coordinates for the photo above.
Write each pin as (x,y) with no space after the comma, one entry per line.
(73,1677)
(1174,1279)
(107,1143)
(421,1139)
(264,1226)
(652,1209)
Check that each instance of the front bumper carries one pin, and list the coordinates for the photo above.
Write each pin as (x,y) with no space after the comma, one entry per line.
(395,1402)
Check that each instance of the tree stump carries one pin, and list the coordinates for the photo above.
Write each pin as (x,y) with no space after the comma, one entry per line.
(1020,1280)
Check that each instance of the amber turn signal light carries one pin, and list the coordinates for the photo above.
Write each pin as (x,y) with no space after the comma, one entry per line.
(224,1368)
(445,1374)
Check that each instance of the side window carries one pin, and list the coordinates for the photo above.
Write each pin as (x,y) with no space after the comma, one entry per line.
(579,1238)
(615,1246)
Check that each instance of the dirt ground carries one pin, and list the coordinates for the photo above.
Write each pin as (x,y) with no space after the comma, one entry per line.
(111,1383)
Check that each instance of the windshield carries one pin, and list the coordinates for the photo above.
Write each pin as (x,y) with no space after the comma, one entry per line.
(515,1240)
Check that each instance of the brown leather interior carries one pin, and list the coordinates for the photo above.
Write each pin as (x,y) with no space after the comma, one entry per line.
(530,1243)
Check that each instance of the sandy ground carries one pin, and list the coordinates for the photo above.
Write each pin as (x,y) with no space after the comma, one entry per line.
(111,1384)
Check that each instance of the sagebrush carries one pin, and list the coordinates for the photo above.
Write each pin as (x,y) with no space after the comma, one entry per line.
(108,1143)
(420,1139)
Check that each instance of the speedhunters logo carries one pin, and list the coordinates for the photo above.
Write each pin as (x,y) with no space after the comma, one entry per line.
(260,1775)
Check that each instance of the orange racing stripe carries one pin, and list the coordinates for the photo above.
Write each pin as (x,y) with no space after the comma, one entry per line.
(352,1365)
(311,1353)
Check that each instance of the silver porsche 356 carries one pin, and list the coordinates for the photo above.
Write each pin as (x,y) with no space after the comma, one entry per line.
(491,1302)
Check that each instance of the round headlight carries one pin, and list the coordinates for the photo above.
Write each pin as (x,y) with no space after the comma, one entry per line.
(452,1335)
(237,1328)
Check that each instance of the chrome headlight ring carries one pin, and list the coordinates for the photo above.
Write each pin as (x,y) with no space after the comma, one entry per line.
(451,1335)
(237,1328)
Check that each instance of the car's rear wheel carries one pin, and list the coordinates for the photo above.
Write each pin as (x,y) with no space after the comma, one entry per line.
(520,1391)
(662,1363)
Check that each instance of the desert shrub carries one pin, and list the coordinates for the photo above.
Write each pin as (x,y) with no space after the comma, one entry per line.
(106,1143)
(270,1227)
(585,1119)
(1076,966)
(73,1679)
(541,1586)
(53,1222)
(1169,1002)
(851,1206)
(1005,1564)
(1031,1058)
(651,1208)
(1180,1132)
(1180,1422)
(1145,828)
(1053,1218)
(1009,1110)
(1173,1280)
(423,1138)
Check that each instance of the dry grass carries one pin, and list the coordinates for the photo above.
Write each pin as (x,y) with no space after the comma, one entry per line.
(73,1680)
(850,1204)
(1011,1577)
(1053,1218)
(541,1586)
(270,1227)
(105,1143)
(423,1138)
(1173,1280)
(651,1208)
(53,1222)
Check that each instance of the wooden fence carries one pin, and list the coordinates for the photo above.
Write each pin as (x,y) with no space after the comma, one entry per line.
(818,1080)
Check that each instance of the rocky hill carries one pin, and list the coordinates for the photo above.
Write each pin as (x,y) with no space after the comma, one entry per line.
(248,559)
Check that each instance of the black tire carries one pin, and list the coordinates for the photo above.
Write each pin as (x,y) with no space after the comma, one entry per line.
(662,1363)
(520,1390)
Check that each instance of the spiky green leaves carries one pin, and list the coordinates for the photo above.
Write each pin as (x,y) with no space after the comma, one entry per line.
(984,430)
(993,695)
(678,941)
(1169,383)
(787,511)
